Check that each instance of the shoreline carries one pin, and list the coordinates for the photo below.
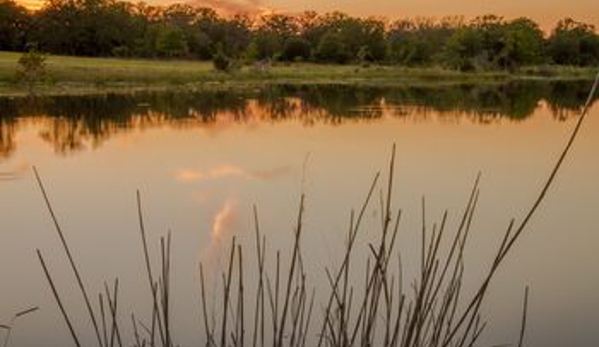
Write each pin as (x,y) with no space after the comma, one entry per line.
(74,76)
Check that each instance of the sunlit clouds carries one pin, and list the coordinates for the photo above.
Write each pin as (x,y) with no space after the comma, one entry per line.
(224,220)
(233,7)
(230,171)
(14,172)
(32,5)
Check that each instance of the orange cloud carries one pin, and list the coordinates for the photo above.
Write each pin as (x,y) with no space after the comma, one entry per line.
(224,220)
(223,225)
(223,171)
(32,5)
(233,7)
(17,171)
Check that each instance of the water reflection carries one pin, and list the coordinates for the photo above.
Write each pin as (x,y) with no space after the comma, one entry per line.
(223,171)
(203,160)
(70,124)
(14,172)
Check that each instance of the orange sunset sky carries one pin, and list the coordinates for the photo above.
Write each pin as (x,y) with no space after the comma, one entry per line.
(545,12)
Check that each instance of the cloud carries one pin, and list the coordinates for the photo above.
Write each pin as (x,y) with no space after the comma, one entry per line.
(191,175)
(233,7)
(33,5)
(224,171)
(17,171)
(224,220)
(223,225)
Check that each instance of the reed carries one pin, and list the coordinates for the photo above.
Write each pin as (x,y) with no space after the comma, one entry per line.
(10,326)
(370,306)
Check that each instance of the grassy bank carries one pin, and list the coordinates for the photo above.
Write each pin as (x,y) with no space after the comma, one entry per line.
(76,75)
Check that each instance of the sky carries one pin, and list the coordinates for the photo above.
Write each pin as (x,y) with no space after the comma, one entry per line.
(545,12)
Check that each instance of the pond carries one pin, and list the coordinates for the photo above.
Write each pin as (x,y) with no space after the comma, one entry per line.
(202,160)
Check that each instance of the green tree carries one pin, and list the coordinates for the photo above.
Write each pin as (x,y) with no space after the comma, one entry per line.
(365,34)
(84,27)
(282,26)
(420,42)
(332,49)
(352,34)
(265,45)
(522,44)
(491,29)
(14,22)
(270,36)
(574,43)
(311,27)
(296,48)
(234,35)
(464,49)
(195,24)
(170,42)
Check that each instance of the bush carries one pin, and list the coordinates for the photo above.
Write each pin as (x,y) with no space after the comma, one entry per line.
(31,69)
(364,56)
(463,48)
(265,45)
(331,49)
(221,61)
(171,43)
(296,48)
(14,22)
(121,51)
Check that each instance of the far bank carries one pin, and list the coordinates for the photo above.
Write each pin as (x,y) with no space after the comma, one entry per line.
(79,75)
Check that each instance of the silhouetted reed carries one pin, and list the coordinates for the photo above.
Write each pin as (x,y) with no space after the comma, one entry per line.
(371,306)
(10,326)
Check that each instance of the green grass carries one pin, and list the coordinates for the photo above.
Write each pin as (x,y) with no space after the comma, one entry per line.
(77,75)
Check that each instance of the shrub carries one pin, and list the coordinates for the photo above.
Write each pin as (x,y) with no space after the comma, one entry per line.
(463,48)
(121,51)
(31,69)
(221,61)
(296,48)
(171,43)
(364,56)
(331,49)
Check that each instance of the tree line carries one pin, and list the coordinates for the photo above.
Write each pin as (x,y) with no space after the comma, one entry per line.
(107,28)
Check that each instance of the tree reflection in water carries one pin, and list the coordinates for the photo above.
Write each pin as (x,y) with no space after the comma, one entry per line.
(72,123)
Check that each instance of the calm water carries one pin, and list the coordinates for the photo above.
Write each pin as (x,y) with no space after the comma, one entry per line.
(202,160)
